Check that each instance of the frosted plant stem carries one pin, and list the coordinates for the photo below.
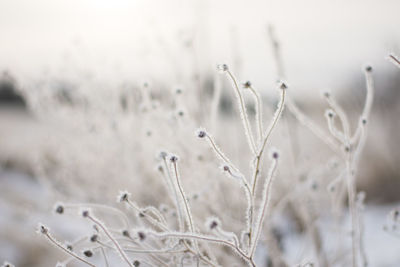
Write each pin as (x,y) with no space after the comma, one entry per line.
(156,213)
(130,250)
(332,129)
(117,246)
(186,204)
(243,113)
(165,229)
(370,95)
(208,239)
(341,114)
(228,235)
(104,207)
(147,216)
(104,256)
(305,121)
(352,211)
(264,207)
(57,244)
(250,199)
(395,60)
(177,202)
(220,154)
(258,113)
(277,115)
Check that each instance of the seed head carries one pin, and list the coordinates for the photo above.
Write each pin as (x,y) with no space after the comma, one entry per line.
(136,263)
(85,212)
(59,208)
(364,121)
(326,93)
(69,246)
(274,154)
(162,154)
(368,68)
(160,168)
(282,85)
(247,85)
(42,229)
(201,133)
(180,112)
(88,253)
(141,235)
(94,238)
(126,233)
(212,223)
(222,67)
(123,196)
(330,114)
(173,158)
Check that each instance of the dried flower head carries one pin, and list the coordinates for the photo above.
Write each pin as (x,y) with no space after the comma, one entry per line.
(88,253)
(247,84)
(274,153)
(69,246)
(136,263)
(226,168)
(42,229)
(329,114)
(282,85)
(222,67)
(141,235)
(123,196)
(364,121)
(212,223)
(85,212)
(59,208)
(201,133)
(94,238)
(326,93)
(368,68)
(160,167)
(162,154)
(126,233)
(173,158)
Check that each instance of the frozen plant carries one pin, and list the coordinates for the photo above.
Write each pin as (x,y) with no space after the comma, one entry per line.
(160,244)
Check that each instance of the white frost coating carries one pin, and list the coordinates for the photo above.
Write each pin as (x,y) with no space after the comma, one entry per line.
(243,113)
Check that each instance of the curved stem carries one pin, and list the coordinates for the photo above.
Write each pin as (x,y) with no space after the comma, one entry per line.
(206,238)
(277,115)
(258,113)
(117,246)
(186,204)
(243,114)
(265,202)
(58,245)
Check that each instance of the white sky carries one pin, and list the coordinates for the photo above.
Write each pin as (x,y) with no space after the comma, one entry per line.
(323,40)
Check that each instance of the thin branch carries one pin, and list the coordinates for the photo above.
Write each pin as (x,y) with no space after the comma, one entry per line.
(117,246)
(243,113)
(265,202)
